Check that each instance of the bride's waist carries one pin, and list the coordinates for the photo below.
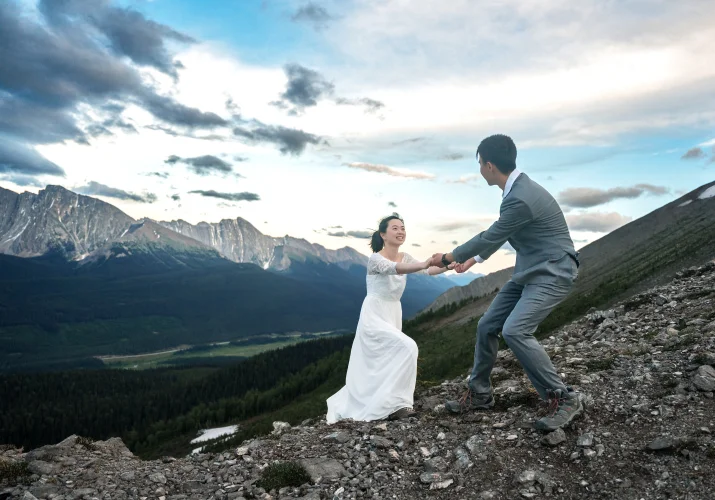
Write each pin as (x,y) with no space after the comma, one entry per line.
(381,297)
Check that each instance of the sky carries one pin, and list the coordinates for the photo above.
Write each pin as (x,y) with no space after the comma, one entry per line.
(317,118)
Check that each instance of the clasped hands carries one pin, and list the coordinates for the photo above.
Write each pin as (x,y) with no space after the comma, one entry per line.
(436,261)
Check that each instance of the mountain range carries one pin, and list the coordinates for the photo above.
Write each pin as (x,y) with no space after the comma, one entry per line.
(79,277)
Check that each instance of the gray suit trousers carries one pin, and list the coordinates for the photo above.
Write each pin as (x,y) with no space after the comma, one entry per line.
(516,312)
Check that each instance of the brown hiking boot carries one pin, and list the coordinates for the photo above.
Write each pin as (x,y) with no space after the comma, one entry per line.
(563,408)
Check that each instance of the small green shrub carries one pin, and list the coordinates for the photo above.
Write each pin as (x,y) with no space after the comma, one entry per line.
(12,472)
(279,475)
(86,442)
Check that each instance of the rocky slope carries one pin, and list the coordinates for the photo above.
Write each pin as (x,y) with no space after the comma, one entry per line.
(238,240)
(644,368)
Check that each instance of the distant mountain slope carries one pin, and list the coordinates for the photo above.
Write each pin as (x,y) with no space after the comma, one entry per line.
(643,253)
(477,288)
(463,279)
(34,224)
(238,240)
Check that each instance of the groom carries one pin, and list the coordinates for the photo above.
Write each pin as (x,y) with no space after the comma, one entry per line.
(546,265)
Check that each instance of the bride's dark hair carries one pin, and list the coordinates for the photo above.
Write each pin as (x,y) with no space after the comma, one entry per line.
(376,242)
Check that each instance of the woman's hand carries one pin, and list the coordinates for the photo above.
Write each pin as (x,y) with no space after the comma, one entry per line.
(462,268)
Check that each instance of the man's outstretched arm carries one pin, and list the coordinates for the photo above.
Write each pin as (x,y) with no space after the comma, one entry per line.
(515,214)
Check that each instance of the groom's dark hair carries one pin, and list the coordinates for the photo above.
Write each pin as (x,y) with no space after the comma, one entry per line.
(376,242)
(500,151)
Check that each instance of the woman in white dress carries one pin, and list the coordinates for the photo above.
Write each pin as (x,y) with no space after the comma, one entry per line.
(382,372)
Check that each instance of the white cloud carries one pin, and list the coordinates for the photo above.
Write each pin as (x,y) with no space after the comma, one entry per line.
(556,72)
(394,172)
(465,179)
(597,222)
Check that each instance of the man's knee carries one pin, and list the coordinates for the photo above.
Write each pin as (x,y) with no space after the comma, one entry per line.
(513,330)
(487,326)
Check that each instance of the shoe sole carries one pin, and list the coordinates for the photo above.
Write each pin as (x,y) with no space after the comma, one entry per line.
(393,417)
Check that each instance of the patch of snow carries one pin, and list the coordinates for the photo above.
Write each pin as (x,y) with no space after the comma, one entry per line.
(266,265)
(686,202)
(708,193)
(208,434)
(196,451)
(13,238)
(125,232)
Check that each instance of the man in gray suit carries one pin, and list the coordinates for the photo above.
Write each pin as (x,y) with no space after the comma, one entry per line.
(546,265)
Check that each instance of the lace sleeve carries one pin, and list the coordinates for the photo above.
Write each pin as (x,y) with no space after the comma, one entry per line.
(409,259)
(380,265)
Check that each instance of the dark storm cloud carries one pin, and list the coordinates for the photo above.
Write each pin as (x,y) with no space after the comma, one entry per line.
(314,14)
(174,112)
(77,54)
(693,154)
(306,87)
(97,189)
(127,31)
(18,158)
(289,140)
(228,196)
(202,165)
(371,105)
(363,235)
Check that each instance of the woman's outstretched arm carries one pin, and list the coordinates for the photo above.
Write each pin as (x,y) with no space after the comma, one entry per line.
(411,267)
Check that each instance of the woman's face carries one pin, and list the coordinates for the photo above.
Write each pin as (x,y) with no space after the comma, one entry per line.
(395,234)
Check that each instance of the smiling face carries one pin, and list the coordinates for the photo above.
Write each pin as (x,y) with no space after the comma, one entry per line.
(395,234)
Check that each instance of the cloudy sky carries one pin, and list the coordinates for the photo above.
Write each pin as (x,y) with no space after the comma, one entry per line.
(316,118)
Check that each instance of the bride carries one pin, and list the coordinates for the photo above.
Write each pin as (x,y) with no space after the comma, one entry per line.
(382,371)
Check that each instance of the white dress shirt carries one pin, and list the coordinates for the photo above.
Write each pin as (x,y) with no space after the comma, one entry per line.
(507,188)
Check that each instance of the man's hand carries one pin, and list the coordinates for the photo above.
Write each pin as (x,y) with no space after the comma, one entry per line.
(436,260)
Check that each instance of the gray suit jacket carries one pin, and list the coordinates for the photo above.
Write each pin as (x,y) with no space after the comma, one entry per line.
(533,223)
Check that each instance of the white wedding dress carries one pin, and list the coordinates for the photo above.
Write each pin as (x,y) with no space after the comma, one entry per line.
(383,361)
